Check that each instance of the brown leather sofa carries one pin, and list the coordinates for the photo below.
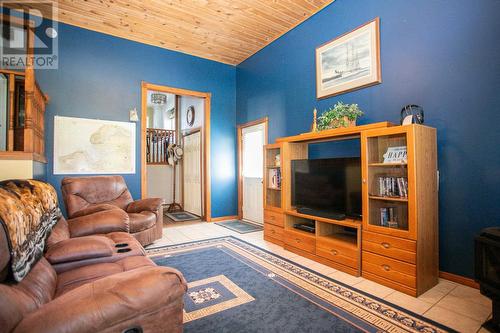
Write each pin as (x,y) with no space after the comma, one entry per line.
(89,195)
(91,292)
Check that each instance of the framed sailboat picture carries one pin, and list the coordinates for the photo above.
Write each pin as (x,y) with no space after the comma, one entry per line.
(349,62)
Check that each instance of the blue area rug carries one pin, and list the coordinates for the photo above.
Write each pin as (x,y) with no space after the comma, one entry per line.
(241,227)
(182,216)
(234,286)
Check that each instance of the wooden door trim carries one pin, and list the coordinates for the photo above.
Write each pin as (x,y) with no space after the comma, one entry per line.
(145,86)
(191,132)
(240,128)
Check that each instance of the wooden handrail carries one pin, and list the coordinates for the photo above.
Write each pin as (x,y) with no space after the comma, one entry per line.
(8,71)
(157,141)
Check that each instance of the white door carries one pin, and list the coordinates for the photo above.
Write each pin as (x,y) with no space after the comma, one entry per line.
(252,169)
(192,173)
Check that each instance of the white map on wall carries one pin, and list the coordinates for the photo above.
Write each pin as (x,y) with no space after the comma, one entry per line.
(91,146)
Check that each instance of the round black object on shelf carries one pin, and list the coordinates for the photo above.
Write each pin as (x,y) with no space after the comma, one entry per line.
(412,114)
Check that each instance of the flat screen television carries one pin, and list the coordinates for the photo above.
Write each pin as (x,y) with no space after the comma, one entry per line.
(327,187)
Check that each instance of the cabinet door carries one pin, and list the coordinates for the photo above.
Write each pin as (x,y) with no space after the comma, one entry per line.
(389,181)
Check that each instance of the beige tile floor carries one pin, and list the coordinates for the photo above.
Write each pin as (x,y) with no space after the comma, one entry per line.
(459,307)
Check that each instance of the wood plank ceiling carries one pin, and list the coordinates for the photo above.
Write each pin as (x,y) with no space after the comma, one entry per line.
(227,31)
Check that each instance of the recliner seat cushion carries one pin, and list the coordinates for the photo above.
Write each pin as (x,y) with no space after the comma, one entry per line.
(79,276)
(141,221)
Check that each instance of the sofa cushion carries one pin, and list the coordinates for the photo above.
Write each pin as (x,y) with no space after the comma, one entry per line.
(80,248)
(141,221)
(59,232)
(18,299)
(79,276)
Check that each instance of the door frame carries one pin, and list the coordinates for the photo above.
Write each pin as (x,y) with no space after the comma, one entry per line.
(188,133)
(145,86)
(240,128)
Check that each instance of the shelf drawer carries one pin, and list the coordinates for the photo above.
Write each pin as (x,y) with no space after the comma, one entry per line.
(338,252)
(391,269)
(274,218)
(300,240)
(273,231)
(393,247)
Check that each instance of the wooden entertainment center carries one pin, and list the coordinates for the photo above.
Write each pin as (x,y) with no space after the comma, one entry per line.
(400,252)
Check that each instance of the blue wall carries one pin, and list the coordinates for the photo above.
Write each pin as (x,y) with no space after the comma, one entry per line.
(443,55)
(100,76)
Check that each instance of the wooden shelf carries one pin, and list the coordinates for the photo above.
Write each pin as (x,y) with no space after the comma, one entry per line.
(333,133)
(274,189)
(375,197)
(301,232)
(347,240)
(273,167)
(387,164)
(347,222)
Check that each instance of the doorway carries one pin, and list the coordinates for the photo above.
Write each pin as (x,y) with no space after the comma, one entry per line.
(252,137)
(192,115)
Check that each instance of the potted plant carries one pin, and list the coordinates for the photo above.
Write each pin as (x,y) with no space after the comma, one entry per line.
(340,115)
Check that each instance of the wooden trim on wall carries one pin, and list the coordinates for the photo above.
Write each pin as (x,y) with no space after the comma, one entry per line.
(224,218)
(206,159)
(240,127)
(205,137)
(459,279)
(21,155)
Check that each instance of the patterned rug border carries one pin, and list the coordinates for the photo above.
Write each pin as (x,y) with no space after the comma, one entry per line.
(154,251)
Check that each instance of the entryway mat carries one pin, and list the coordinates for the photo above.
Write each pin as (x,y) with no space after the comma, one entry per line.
(239,226)
(182,216)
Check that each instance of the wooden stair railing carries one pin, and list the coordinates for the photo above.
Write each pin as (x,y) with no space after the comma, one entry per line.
(157,141)
(25,140)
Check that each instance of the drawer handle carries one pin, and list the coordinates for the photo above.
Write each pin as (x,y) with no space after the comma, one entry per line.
(335,252)
(271,217)
(272,231)
(297,240)
(386,267)
(386,245)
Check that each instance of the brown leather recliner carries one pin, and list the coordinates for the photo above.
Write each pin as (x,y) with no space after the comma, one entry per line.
(129,293)
(87,195)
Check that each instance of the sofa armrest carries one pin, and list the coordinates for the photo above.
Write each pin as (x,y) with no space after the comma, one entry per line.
(93,209)
(149,204)
(109,304)
(102,222)
(80,248)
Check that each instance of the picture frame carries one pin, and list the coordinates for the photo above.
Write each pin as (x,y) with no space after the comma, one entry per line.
(350,61)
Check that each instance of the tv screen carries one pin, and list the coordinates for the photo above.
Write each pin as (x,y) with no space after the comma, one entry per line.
(330,185)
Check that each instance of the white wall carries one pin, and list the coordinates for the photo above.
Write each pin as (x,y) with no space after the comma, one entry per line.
(160,178)
(16,169)
(199,110)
